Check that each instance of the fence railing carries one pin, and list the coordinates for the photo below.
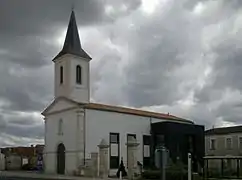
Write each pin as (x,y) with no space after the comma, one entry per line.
(223,167)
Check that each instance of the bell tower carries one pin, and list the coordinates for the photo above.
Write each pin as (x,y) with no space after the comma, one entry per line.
(72,67)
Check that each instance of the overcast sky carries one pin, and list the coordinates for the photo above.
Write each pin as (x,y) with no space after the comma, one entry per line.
(178,56)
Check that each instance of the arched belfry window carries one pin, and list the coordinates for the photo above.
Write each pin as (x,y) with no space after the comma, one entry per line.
(61,75)
(60,127)
(78,74)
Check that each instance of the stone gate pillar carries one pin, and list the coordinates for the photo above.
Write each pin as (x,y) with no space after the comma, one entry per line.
(132,146)
(103,159)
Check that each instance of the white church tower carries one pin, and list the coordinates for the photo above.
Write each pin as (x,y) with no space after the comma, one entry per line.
(72,79)
(64,117)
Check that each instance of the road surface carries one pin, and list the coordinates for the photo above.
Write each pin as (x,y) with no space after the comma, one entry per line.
(23,178)
(11,175)
(17,178)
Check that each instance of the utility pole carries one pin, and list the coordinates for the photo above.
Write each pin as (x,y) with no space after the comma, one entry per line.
(189,166)
(161,156)
(163,162)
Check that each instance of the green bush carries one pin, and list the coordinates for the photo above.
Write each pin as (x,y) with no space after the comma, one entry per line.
(151,174)
(176,171)
(214,173)
(170,175)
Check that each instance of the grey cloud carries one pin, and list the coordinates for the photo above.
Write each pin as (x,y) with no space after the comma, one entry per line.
(227,66)
(109,73)
(157,50)
(229,113)
(25,89)
(7,140)
(20,118)
(21,125)
(162,44)
(29,52)
(36,17)
(208,94)
(199,113)
(121,8)
(34,131)
(3,123)
(138,60)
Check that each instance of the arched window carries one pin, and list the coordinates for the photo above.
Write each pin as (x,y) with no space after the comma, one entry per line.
(78,74)
(60,127)
(61,74)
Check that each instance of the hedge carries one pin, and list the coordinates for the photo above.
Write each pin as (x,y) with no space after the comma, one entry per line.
(170,175)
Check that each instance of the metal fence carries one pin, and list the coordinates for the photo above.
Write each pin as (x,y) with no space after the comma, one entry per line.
(223,167)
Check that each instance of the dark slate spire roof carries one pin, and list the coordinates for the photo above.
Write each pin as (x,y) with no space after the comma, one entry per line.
(72,43)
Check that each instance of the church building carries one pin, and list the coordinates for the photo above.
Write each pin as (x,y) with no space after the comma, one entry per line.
(74,126)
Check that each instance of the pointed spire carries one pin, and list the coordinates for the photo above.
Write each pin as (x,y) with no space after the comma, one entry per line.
(72,44)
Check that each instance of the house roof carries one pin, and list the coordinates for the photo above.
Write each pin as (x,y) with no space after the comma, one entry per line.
(125,110)
(21,151)
(224,130)
(120,109)
(72,43)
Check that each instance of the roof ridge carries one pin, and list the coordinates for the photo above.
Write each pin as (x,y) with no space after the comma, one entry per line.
(224,130)
(133,108)
(129,110)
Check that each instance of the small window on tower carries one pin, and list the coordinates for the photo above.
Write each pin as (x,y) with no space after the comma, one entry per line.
(78,74)
(61,75)
(60,128)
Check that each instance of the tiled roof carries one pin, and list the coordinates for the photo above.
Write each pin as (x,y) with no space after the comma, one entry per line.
(119,109)
(224,130)
(21,151)
(104,107)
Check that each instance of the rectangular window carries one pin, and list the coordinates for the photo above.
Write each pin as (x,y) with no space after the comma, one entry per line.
(114,138)
(212,144)
(114,150)
(160,140)
(78,74)
(130,136)
(240,142)
(61,75)
(191,143)
(229,143)
(114,162)
(60,127)
(146,151)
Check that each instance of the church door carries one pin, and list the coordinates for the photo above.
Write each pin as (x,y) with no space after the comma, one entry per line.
(61,159)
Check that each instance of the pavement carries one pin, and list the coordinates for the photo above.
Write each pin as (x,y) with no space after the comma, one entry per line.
(10,175)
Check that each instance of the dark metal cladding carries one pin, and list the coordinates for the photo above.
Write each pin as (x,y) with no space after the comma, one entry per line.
(179,139)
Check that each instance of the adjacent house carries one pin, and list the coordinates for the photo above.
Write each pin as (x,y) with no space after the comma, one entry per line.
(16,157)
(224,142)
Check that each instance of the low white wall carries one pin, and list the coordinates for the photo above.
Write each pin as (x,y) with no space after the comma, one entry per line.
(2,162)
(13,162)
